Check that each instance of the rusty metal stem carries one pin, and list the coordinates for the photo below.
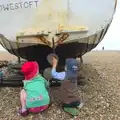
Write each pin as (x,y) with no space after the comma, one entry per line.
(53,42)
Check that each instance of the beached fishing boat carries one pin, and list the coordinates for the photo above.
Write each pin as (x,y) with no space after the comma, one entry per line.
(32,29)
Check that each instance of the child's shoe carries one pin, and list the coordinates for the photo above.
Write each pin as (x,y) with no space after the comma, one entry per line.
(71,111)
(80,105)
(23,112)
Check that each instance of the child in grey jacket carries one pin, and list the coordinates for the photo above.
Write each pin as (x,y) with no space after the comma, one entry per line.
(69,94)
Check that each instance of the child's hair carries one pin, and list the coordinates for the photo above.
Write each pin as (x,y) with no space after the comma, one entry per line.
(30,69)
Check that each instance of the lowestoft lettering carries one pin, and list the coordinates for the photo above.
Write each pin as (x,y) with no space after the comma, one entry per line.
(19,5)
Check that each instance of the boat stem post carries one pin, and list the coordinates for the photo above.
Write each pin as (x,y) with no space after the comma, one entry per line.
(53,42)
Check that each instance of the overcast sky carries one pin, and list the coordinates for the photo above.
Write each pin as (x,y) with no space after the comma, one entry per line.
(112,39)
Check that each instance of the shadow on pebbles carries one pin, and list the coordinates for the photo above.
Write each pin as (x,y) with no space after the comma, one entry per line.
(100,101)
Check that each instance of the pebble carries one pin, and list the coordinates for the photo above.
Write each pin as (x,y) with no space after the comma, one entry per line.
(99,93)
(58,111)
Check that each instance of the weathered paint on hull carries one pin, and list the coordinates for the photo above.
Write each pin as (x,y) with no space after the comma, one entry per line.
(39,52)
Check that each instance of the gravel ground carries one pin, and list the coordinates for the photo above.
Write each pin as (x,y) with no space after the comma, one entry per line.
(101,92)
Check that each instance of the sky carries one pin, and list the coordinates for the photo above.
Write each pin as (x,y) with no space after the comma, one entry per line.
(111,40)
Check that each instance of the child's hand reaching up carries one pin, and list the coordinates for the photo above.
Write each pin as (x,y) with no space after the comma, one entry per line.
(54,62)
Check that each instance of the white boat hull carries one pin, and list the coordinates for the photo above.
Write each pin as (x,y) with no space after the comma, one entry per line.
(24,23)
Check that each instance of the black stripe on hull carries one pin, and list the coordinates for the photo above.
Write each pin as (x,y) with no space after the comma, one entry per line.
(40,52)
